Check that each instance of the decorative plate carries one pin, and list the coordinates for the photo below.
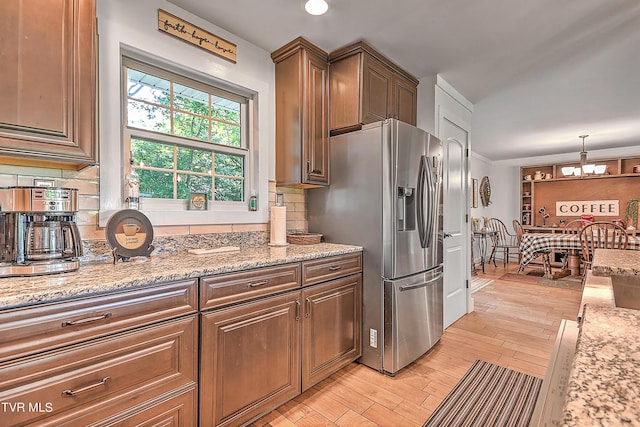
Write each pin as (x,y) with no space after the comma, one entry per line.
(485,191)
(130,233)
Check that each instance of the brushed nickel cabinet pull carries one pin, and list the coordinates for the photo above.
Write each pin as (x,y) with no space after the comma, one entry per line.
(103,382)
(335,268)
(86,320)
(307,309)
(258,284)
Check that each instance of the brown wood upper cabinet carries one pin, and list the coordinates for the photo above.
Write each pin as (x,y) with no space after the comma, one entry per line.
(48,85)
(366,87)
(302,111)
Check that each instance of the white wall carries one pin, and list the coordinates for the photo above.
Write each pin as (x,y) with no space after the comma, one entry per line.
(504,189)
(426,104)
(133,25)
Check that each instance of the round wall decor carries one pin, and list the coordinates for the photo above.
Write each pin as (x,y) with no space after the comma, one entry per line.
(485,191)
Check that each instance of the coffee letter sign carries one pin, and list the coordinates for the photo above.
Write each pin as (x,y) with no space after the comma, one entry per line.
(190,33)
(595,207)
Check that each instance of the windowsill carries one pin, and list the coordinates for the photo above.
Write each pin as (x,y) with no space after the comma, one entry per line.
(222,215)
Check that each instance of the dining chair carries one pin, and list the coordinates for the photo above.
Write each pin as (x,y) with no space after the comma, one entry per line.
(572,227)
(546,261)
(601,235)
(503,241)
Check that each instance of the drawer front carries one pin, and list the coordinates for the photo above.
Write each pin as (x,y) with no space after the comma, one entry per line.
(33,329)
(225,289)
(324,269)
(179,408)
(131,367)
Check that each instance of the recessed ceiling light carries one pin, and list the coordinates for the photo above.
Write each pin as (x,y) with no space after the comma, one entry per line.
(316,7)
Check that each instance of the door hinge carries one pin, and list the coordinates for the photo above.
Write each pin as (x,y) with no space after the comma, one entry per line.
(467,281)
(466,152)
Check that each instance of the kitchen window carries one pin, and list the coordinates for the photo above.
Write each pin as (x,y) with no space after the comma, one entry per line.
(185,136)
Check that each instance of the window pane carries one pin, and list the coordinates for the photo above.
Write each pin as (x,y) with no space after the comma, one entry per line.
(188,113)
(225,109)
(193,184)
(146,87)
(229,189)
(225,134)
(152,154)
(190,159)
(191,100)
(191,126)
(228,164)
(156,184)
(146,116)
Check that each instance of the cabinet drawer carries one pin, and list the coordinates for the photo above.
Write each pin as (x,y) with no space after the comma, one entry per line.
(128,368)
(33,329)
(225,289)
(178,408)
(324,269)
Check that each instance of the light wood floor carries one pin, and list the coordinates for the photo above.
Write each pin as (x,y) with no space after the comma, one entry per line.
(514,325)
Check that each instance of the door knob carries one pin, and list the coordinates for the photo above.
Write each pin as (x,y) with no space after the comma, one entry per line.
(445,235)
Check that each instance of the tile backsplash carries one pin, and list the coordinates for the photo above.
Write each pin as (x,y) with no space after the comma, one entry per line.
(87,181)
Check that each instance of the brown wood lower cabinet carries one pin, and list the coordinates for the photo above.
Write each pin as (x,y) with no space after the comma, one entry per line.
(331,328)
(258,355)
(98,379)
(130,358)
(250,360)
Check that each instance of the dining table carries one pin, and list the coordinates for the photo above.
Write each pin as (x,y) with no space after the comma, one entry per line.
(533,244)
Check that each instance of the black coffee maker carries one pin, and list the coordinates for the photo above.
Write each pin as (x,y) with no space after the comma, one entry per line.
(38,231)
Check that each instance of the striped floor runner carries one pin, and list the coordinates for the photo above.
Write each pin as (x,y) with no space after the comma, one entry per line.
(488,395)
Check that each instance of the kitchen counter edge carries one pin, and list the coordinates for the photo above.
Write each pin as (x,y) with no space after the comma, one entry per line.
(102,278)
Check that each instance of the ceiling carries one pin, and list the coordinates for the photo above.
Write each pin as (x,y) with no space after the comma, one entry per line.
(539,72)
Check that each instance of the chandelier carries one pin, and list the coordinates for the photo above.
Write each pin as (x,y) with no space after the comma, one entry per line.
(585,167)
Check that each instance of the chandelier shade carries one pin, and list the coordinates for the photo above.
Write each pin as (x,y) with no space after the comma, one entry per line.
(586,167)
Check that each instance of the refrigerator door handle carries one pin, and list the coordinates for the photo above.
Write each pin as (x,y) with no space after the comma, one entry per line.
(433,211)
(425,222)
(420,285)
(420,207)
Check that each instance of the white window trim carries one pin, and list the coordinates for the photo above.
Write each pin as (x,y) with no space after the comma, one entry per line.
(112,168)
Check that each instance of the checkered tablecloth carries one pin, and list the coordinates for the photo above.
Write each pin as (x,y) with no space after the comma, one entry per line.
(534,243)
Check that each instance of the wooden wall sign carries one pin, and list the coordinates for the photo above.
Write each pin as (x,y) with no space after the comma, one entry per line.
(195,35)
(617,189)
(594,207)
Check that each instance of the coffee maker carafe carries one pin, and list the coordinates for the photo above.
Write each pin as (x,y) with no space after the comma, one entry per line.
(38,232)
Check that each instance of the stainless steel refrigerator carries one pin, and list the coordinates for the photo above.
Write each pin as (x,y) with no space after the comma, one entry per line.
(386,195)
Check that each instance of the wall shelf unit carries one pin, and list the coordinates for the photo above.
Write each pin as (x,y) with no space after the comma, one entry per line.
(537,190)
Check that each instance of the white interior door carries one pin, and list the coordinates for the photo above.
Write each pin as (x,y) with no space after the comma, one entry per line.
(455,141)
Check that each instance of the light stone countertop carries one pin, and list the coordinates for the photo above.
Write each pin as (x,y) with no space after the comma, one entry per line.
(99,278)
(607,262)
(604,384)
